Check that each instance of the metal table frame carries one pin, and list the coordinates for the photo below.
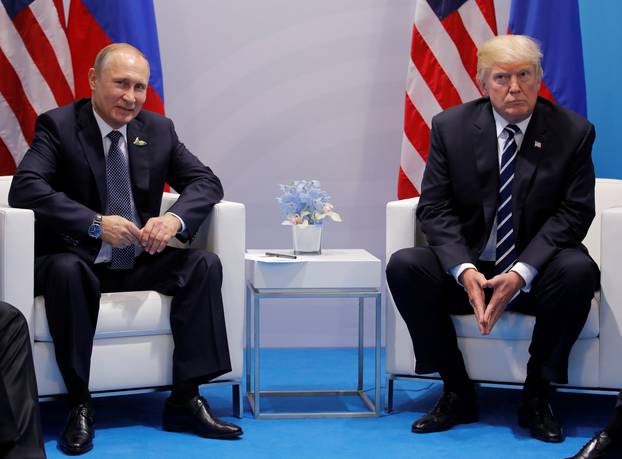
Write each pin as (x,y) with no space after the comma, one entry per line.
(255,393)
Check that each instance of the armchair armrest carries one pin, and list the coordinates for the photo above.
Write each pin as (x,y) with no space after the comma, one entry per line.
(401,230)
(401,225)
(17,255)
(611,299)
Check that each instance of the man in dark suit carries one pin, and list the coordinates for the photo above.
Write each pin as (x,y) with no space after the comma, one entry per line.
(94,177)
(20,424)
(507,196)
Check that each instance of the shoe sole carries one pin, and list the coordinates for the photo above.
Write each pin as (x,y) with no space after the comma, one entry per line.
(465,420)
(522,422)
(75,452)
(168,427)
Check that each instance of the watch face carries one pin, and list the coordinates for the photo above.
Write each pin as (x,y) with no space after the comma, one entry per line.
(95,231)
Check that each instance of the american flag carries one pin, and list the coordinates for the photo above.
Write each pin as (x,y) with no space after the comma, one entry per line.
(35,71)
(441,72)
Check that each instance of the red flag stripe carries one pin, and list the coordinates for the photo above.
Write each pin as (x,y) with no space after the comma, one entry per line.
(13,92)
(11,135)
(416,130)
(405,188)
(466,48)
(40,50)
(434,75)
(487,7)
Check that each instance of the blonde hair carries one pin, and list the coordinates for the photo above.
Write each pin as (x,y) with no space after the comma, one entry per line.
(102,56)
(508,49)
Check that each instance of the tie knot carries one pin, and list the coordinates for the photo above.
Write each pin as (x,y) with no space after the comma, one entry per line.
(114,136)
(511,129)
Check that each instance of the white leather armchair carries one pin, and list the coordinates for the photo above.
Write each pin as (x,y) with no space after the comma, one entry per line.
(133,342)
(501,357)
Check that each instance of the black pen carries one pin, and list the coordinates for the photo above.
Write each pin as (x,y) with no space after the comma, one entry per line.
(280,255)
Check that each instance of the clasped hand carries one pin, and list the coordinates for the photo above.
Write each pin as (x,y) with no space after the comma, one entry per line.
(504,287)
(119,232)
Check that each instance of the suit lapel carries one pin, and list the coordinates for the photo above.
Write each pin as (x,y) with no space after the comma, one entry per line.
(138,150)
(487,160)
(92,146)
(532,149)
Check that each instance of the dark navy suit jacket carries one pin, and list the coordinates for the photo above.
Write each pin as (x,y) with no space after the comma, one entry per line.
(63,177)
(553,188)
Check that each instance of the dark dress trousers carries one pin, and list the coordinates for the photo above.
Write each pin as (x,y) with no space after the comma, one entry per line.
(20,424)
(62,178)
(552,206)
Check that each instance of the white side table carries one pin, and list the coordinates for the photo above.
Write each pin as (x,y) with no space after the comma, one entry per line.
(347,273)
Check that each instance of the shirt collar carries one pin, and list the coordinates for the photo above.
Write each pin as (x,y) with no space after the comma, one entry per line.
(105,129)
(501,123)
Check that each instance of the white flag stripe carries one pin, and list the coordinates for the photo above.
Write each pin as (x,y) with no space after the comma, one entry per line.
(11,132)
(412,163)
(45,13)
(445,51)
(35,86)
(475,23)
(421,96)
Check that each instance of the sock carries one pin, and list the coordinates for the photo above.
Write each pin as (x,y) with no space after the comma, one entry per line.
(458,381)
(535,386)
(614,428)
(184,391)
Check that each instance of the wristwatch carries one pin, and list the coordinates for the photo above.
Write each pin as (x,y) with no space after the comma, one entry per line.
(95,230)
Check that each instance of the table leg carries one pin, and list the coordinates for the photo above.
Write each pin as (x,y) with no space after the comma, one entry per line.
(361,336)
(256,388)
(378,344)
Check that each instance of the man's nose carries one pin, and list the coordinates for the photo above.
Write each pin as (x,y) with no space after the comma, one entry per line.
(514,86)
(129,96)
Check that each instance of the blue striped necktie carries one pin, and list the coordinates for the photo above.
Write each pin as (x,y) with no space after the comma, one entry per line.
(506,239)
(119,197)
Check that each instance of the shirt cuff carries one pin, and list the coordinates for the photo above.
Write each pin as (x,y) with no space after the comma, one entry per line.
(183,225)
(459,269)
(527,272)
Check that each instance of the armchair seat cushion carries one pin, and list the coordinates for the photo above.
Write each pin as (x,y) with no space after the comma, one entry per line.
(514,326)
(121,314)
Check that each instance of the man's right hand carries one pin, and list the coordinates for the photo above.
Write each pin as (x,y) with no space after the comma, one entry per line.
(474,281)
(119,232)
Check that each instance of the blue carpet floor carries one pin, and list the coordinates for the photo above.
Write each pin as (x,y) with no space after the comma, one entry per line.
(129,426)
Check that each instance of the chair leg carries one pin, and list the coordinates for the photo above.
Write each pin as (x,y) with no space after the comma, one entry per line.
(389,398)
(236,395)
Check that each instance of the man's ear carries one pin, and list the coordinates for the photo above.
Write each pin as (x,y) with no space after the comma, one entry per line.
(92,78)
(482,87)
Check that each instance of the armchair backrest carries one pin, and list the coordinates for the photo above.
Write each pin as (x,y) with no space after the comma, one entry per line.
(608,194)
(5,185)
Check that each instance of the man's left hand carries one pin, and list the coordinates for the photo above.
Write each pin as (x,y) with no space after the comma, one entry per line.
(158,231)
(504,286)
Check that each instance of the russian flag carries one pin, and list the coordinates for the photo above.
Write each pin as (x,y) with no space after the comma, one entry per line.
(94,24)
(555,25)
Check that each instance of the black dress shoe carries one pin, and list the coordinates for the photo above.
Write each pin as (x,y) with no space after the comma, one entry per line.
(600,446)
(77,438)
(195,416)
(536,415)
(450,410)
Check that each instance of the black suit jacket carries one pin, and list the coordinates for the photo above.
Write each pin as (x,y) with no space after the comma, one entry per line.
(63,177)
(553,188)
